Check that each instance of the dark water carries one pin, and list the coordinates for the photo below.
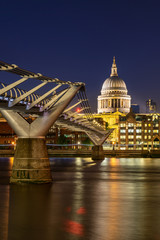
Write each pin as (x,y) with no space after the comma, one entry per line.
(116,199)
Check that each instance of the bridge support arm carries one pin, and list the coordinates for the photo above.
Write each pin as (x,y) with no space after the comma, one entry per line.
(20,126)
(42,124)
(29,106)
(97,150)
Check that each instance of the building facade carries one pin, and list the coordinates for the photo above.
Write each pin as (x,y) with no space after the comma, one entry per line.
(110,120)
(139,131)
(151,106)
(114,96)
(7,135)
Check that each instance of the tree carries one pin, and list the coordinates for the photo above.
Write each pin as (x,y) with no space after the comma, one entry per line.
(87,141)
(62,139)
(106,125)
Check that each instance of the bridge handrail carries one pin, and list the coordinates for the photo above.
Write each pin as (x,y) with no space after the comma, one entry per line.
(12,68)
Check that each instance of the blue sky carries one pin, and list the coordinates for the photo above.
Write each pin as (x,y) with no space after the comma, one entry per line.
(76,41)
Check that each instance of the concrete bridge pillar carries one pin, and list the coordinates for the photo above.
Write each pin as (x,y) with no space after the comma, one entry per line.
(31,163)
(97,152)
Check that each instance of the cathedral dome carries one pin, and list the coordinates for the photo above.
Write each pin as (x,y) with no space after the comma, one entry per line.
(113,83)
(114,94)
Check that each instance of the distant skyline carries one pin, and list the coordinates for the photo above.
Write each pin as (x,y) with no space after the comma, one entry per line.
(76,41)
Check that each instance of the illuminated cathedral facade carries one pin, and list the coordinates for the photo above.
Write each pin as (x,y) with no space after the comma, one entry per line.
(114,96)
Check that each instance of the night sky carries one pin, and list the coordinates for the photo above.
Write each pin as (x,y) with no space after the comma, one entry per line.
(75,40)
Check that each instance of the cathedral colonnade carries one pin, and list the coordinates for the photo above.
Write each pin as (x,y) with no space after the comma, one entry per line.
(106,105)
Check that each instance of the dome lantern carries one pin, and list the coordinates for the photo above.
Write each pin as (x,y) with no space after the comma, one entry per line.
(114,68)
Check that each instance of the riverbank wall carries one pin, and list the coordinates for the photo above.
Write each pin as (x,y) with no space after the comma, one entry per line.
(88,153)
(107,153)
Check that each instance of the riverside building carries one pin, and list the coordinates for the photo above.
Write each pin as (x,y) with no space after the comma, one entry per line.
(151,106)
(111,120)
(139,132)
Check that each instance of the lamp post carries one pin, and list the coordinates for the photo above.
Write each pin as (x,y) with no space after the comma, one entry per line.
(113,144)
(79,144)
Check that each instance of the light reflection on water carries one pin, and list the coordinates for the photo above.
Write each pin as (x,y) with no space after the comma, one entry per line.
(110,199)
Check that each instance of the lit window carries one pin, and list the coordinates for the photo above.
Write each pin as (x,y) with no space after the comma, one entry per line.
(138,137)
(130,136)
(145,124)
(138,130)
(149,125)
(145,131)
(130,130)
(149,137)
(156,131)
(122,131)
(145,137)
(154,117)
(122,137)
(122,125)
(149,131)
(130,124)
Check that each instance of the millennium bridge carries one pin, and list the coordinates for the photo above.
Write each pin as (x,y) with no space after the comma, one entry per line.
(51,106)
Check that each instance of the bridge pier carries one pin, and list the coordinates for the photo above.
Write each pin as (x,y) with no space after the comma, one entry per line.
(31,162)
(97,152)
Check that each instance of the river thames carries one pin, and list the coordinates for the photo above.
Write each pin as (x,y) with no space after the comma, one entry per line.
(108,200)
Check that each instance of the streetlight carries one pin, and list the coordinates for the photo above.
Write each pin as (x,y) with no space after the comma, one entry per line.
(113,143)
